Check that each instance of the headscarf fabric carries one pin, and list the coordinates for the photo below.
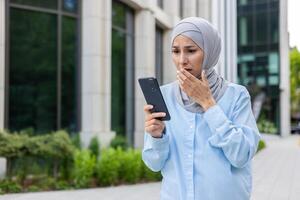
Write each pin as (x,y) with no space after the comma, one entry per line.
(206,37)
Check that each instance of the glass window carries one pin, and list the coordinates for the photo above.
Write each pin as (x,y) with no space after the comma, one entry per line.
(118,86)
(273,62)
(122,71)
(261,28)
(258,60)
(274,80)
(70,5)
(42,72)
(274,25)
(119,15)
(52,4)
(159,55)
(69,74)
(242,2)
(32,75)
(243,35)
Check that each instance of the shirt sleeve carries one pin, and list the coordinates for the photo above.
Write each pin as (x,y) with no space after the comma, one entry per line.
(155,151)
(237,137)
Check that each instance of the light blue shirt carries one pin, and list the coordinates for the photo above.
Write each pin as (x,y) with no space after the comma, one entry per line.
(205,156)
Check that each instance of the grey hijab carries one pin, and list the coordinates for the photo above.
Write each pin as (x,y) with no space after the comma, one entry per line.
(208,39)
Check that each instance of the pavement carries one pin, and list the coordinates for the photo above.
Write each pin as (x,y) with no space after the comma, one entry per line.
(276,176)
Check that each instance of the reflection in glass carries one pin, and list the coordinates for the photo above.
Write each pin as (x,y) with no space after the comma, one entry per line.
(38,3)
(68,74)
(70,5)
(118,84)
(119,15)
(258,53)
(32,72)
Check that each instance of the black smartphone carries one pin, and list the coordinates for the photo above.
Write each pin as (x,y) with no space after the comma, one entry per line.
(153,96)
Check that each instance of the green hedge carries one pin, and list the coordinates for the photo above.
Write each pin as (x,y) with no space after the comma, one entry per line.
(55,145)
(78,168)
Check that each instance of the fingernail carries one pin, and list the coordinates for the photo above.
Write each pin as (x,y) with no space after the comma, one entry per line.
(178,72)
(151,106)
(164,114)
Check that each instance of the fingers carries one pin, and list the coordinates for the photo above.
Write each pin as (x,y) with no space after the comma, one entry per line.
(153,122)
(187,74)
(147,109)
(155,115)
(155,129)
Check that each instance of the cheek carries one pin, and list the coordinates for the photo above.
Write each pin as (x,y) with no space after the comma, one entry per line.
(175,61)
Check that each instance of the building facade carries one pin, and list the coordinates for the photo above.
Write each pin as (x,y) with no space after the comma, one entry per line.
(74,65)
(263,62)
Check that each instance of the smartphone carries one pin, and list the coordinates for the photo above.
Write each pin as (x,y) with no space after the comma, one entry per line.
(153,96)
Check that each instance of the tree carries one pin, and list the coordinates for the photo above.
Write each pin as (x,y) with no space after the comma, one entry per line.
(295,80)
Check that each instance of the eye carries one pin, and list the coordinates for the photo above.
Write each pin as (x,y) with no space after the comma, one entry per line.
(175,51)
(192,50)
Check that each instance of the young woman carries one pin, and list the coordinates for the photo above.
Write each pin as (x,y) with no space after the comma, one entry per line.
(204,152)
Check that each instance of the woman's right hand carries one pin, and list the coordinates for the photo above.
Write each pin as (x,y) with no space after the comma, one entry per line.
(154,126)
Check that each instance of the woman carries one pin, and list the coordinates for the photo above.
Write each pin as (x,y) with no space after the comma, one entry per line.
(204,152)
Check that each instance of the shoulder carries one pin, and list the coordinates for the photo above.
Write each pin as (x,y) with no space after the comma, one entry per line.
(168,87)
(237,91)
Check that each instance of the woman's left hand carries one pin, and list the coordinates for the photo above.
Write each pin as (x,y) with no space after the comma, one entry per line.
(195,88)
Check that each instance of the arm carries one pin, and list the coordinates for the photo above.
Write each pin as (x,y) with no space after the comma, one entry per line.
(155,152)
(238,137)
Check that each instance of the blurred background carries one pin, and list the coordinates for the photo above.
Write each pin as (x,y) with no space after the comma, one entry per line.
(72,66)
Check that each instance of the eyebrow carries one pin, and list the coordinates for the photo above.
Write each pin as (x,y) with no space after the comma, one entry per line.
(186,47)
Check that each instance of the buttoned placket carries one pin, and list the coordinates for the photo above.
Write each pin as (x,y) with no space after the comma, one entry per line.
(190,135)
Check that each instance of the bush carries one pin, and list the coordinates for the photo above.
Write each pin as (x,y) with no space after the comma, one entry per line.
(94,147)
(9,186)
(266,126)
(131,166)
(33,188)
(261,145)
(83,169)
(148,175)
(119,141)
(54,147)
(62,185)
(108,167)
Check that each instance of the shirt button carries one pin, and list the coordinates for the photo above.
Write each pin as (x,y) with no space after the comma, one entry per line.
(191,126)
(190,155)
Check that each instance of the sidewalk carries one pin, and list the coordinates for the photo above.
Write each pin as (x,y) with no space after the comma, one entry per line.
(276,170)
(276,176)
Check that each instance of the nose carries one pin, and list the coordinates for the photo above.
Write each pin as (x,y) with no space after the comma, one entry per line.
(183,61)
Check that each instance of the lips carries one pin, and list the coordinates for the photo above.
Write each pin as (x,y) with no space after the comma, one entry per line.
(189,70)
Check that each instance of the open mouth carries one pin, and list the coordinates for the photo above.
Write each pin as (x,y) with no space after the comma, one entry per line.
(189,70)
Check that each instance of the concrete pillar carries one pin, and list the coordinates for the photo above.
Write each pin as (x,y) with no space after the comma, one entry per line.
(2,62)
(285,124)
(145,65)
(189,8)
(223,17)
(2,79)
(204,9)
(96,71)
(2,168)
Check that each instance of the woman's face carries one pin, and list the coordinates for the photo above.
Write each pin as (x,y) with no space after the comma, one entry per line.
(187,55)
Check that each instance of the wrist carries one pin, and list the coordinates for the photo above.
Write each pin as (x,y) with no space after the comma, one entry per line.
(161,135)
(209,104)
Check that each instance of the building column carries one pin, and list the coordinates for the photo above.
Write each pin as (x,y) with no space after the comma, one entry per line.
(285,117)
(144,66)
(223,17)
(204,9)
(96,72)
(2,63)
(2,80)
